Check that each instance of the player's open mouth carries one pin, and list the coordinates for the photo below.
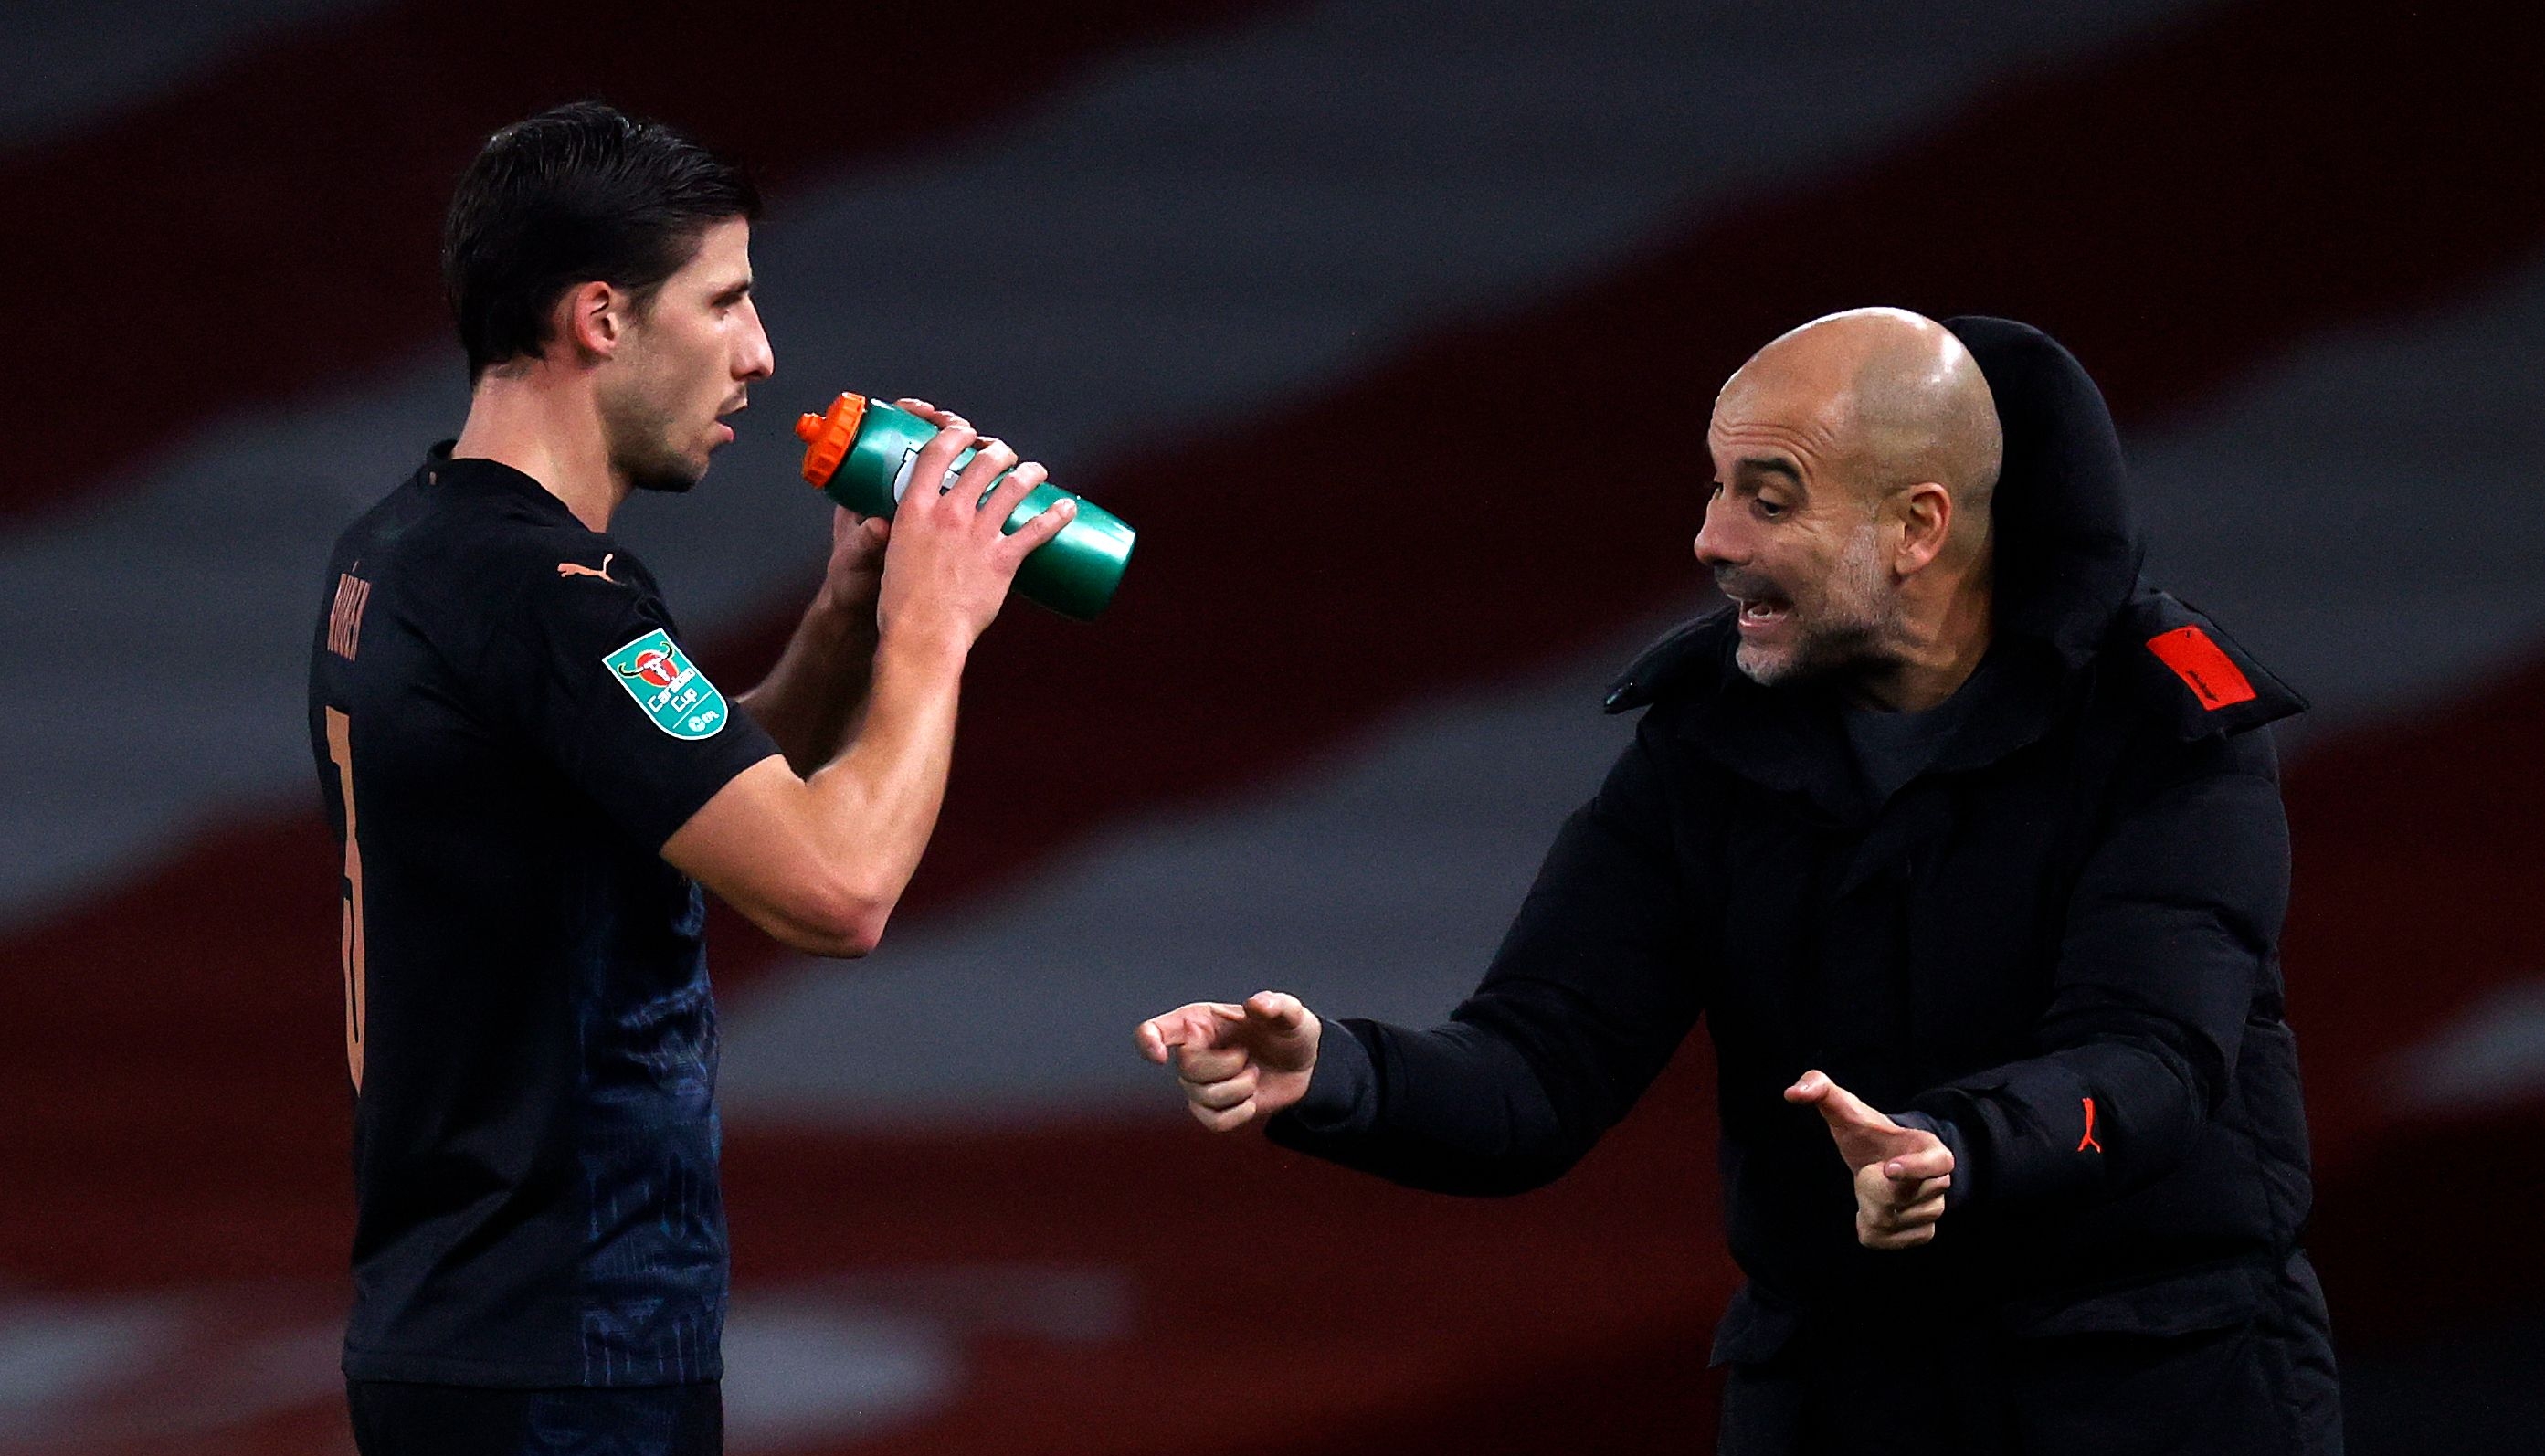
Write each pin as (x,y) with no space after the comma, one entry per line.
(1764,612)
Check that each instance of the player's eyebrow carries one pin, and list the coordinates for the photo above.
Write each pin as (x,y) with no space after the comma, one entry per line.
(736,294)
(1770,465)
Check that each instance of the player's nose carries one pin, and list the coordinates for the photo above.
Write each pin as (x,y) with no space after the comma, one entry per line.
(756,361)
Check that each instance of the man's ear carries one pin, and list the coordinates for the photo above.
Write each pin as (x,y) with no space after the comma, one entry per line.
(1925,523)
(591,320)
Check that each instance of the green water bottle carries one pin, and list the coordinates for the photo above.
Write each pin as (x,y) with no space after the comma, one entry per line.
(859,454)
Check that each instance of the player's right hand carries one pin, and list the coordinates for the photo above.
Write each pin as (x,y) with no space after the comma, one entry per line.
(1236,1062)
(946,566)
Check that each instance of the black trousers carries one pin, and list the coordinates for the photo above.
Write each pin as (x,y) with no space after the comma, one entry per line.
(397,1418)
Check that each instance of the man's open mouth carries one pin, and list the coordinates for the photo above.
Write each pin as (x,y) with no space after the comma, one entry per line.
(1762,611)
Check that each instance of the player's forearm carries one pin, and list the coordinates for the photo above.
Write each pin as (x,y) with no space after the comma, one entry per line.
(876,803)
(809,702)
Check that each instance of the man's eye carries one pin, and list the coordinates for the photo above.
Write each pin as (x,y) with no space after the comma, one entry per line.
(1770,509)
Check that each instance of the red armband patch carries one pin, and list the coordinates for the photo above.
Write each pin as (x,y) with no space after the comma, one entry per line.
(2203,666)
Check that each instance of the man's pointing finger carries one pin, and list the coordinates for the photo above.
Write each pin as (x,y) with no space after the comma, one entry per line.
(1198,1023)
(1843,1110)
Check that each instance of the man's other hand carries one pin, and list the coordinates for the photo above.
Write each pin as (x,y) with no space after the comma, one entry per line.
(1901,1173)
(1236,1062)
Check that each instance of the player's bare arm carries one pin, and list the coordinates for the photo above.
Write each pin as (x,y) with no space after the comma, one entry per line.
(819,861)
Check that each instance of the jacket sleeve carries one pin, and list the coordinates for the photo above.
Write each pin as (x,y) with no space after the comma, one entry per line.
(1592,991)
(2171,932)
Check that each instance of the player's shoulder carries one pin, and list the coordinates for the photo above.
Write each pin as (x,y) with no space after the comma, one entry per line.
(516,545)
(567,585)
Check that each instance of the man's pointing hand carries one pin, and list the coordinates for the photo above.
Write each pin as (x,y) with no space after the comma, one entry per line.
(1236,1061)
(1901,1173)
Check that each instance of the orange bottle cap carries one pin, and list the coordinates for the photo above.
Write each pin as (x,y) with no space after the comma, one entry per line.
(828,435)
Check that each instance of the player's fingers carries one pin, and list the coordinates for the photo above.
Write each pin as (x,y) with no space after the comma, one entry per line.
(1225,1119)
(993,459)
(1902,1194)
(1926,1163)
(935,462)
(940,417)
(1198,1063)
(1039,528)
(1194,1022)
(1152,1036)
(1916,1215)
(1278,1010)
(1844,1111)
(1021,477)
(1227,1092)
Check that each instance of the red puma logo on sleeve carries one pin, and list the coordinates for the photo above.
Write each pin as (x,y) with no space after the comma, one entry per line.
(568,568)
(2088,1140)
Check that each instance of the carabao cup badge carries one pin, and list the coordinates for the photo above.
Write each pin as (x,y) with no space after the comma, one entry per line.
(671,692)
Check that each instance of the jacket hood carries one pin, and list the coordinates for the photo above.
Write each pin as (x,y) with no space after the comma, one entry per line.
(2066,557)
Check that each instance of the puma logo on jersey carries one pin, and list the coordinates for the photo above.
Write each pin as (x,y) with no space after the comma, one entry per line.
(568,568)
(2088,1143)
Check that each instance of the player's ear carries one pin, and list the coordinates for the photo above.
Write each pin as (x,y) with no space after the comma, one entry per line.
(591,320)
(1925,523)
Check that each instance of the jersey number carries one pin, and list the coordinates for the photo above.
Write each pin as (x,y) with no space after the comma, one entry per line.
(340,749)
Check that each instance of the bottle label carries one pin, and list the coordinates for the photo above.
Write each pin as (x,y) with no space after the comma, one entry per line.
(910,458)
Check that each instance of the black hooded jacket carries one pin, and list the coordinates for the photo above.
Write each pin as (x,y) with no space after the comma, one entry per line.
(2078,901)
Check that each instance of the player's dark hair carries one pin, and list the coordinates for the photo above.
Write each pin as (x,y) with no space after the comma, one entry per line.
(577,195)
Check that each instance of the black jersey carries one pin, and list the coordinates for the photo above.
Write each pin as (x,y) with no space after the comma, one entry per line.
(507,729)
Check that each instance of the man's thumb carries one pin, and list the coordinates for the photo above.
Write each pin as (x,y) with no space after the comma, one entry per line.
(1280,1012)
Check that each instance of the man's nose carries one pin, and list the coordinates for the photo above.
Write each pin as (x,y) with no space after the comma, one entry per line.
(758,360)
(1717,543)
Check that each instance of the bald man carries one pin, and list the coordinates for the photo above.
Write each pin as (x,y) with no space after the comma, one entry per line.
(1968,848)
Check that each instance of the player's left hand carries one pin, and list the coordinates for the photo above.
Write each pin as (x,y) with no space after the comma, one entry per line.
(1901,1173)
(855,577)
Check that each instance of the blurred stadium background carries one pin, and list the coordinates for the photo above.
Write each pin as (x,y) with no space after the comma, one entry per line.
(1393,324)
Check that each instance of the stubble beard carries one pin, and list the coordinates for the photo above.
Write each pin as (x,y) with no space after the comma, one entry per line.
(639,435)
(1855,621)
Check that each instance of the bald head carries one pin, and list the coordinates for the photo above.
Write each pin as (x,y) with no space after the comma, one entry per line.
(1890,400)
(1853,463)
